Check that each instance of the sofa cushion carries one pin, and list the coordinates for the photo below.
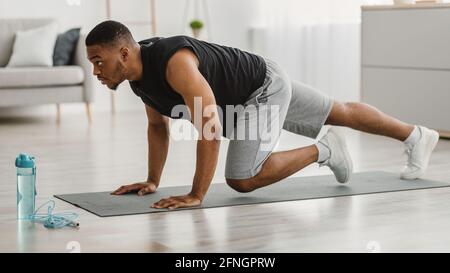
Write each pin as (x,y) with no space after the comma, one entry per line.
(65,47)
(34,47)
(8,29)
(40,76)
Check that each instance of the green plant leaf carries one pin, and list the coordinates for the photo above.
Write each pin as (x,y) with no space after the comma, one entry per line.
(196,24)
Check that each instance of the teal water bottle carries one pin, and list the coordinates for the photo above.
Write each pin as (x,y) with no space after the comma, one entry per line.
(26,186)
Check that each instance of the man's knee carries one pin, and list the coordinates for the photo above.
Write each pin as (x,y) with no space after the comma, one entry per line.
(240,185)
(340,113)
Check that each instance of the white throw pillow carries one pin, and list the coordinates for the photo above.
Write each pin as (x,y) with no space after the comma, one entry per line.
(34,47)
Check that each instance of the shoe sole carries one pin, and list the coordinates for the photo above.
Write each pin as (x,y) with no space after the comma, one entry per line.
(344,150)
(415,175)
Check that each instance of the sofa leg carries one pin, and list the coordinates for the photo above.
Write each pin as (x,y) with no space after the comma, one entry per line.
(88,111)
(113,103)
(58,114)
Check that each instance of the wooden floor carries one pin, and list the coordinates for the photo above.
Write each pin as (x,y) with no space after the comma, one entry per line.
(74,157)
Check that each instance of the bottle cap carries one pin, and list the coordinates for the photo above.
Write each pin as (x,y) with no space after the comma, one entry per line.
(24,160)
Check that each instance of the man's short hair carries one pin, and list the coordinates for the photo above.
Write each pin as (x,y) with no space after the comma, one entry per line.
(109,33)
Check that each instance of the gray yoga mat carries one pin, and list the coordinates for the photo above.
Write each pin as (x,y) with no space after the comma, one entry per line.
(220,194)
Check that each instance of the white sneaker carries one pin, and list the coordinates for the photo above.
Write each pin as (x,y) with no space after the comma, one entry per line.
(419,154)
(339,161)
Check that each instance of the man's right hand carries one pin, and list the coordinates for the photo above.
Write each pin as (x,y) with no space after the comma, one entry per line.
(141,188)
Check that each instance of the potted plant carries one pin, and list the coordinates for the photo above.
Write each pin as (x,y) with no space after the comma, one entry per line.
(196,25)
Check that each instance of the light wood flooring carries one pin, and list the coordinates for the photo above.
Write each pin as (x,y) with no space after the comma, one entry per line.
(75,157)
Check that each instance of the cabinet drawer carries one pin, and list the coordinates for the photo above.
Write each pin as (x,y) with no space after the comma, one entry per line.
(414,96)
(414,38)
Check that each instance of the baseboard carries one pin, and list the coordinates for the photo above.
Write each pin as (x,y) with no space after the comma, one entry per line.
(444,134)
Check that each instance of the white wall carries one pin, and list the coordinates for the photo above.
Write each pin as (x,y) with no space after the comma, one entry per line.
(230,21)
(314,53)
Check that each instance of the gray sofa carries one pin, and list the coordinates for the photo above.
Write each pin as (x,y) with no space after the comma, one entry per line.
(43,85)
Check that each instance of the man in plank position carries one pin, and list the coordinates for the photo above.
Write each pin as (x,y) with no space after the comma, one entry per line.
(209,80)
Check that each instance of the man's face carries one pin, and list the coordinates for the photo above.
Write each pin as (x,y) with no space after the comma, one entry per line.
(109,66)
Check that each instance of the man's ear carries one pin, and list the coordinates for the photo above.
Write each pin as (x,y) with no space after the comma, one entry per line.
(124,53)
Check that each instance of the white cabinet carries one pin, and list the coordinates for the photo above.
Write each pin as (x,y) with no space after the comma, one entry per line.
(405,58)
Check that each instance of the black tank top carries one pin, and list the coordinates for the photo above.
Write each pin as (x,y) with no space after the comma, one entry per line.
(233,74)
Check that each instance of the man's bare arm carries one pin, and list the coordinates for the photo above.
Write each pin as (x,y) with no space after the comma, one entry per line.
(184,77)
(158,143)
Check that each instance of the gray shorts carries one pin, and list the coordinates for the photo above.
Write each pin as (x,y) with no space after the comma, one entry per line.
(281,104)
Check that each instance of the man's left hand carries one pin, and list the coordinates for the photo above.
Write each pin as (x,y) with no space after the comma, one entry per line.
(182,201)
